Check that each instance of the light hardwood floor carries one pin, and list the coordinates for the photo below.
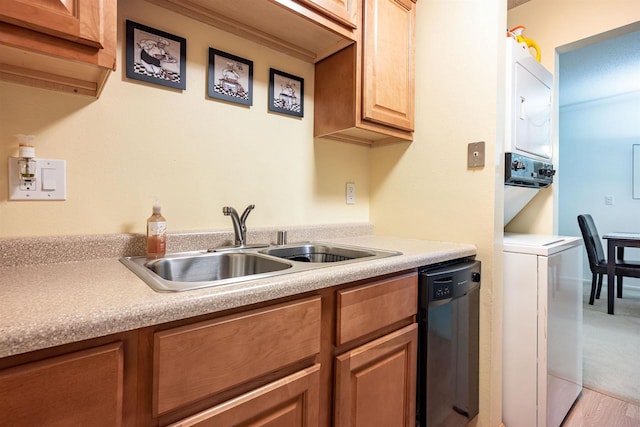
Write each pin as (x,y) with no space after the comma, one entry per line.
(595,409)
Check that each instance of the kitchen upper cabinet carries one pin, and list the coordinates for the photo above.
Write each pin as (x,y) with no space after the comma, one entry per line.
(388,70)
(62,45)
(79,21)
(365,93)
(81,388)
(343,11)
(309,30)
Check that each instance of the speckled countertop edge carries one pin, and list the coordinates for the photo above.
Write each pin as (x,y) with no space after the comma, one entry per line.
(54,304)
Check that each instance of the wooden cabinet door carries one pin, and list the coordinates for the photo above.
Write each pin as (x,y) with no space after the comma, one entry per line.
(375,384)
(199,360)
(80,20)
(83,388)
(388,63)
(343,11)
(289,402)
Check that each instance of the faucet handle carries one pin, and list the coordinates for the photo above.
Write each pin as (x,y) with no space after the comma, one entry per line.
(246,213)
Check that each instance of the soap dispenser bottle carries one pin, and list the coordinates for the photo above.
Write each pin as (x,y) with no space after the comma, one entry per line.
(156,233)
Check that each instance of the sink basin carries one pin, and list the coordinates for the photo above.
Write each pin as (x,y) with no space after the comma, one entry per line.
(195,270)
(217,266)
(224,266)
(320,253)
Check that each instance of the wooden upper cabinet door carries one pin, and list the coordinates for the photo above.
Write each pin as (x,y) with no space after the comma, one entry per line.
(83,388)
(375,384)
(343,11)
(80,21)
(388,59)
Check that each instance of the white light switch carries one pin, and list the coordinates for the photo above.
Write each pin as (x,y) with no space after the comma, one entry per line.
(50,181)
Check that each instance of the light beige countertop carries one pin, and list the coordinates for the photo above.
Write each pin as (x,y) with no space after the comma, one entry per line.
(52,304)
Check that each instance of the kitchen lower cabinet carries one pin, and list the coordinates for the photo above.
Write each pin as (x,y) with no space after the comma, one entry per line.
(376,353)
(376,383)
(343,355)
(79,388)
(196,361)
(365,93)
(289,402)
(337,356)
(67,46)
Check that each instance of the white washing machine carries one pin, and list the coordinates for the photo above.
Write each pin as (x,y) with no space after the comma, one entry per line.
(542,341)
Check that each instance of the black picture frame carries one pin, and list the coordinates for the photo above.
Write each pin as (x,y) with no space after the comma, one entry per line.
(155,56)
(286,93)
(230,77)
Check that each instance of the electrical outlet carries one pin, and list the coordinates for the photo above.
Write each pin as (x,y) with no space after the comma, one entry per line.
(48,183)
(351,193)
(609,200)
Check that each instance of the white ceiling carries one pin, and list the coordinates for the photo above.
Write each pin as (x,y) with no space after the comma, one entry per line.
(608,68)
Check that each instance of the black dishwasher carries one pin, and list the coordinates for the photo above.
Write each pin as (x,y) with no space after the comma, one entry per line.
(448,317)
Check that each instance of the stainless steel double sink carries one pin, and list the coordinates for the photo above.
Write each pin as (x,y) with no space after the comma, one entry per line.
(192,270)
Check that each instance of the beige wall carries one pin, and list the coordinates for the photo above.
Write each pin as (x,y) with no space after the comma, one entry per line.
(553,24)
(197,154)
(424,189)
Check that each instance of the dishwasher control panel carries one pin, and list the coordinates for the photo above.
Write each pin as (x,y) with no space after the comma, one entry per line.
(443,283)
(441,289)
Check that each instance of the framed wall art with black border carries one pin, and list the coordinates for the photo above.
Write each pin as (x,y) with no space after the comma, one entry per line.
(155,56)
(230,77)
(286,93)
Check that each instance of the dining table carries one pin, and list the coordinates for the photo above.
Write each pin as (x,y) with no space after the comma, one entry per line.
(617,241)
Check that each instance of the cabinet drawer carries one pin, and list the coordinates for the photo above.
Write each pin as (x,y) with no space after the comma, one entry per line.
(196,361)
(367,308)
(291,401)
(83,388)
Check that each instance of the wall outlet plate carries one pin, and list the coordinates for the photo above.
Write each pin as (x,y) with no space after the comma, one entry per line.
(50,182)
(351,193)
(475,155)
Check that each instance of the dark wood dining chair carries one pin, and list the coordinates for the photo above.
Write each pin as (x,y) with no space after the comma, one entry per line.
(598,261)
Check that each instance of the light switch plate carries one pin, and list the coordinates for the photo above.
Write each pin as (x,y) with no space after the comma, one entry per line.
(50,181)
(475,155)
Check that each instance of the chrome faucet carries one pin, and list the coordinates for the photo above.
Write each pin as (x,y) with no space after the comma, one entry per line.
(239,226)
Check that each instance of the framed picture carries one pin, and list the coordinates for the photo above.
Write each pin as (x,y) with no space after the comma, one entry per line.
(155,56)
(230,77)
(286,93)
